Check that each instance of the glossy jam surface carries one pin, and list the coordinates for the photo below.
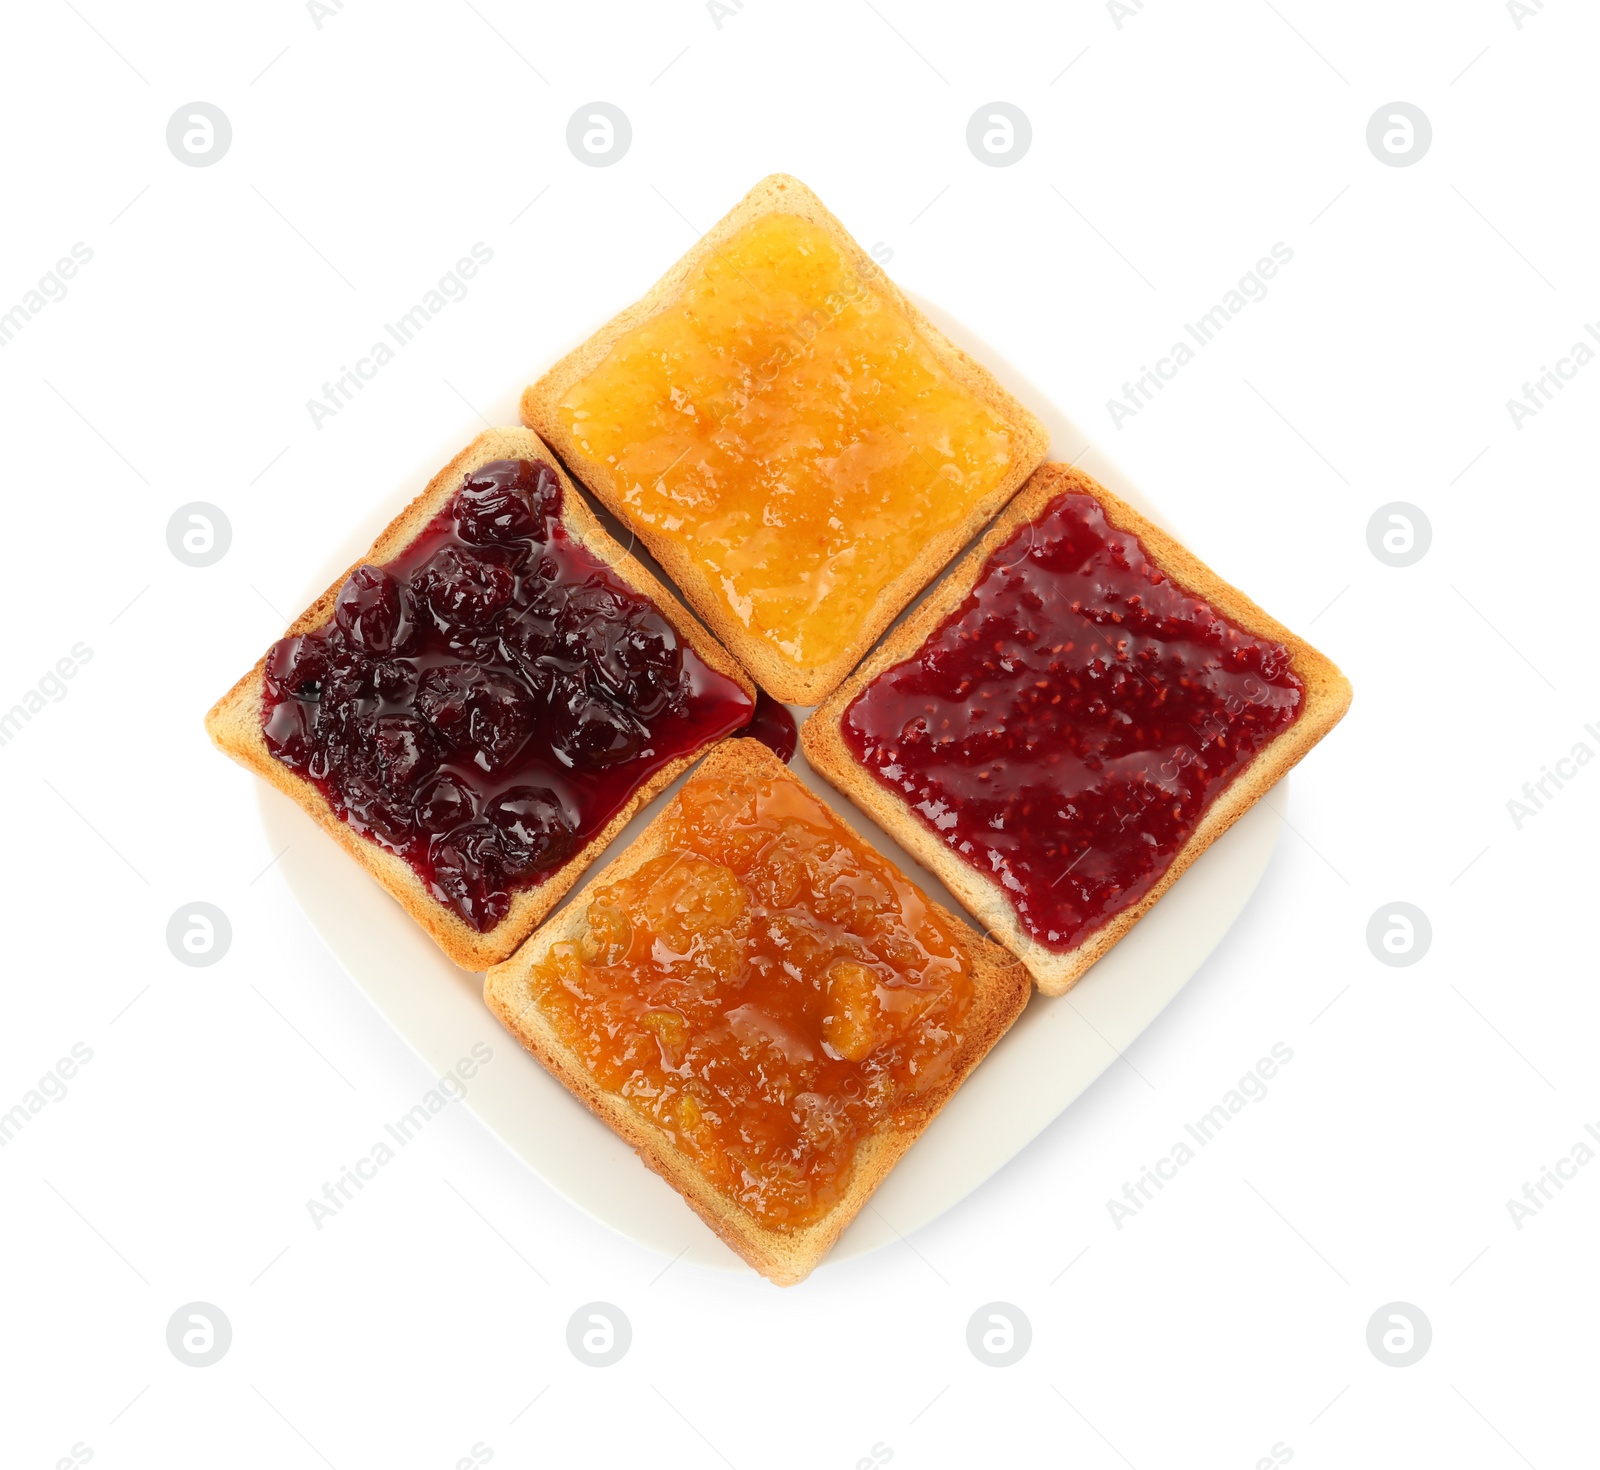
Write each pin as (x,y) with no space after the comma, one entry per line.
(767,990)
(486,702)
(1066,728)
(774,727)
(782,422)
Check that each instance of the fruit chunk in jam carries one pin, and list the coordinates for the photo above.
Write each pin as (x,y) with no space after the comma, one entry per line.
(784,424)
(1065,729)
(485,703)
(767,989)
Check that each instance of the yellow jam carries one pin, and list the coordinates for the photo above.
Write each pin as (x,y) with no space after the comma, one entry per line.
(768,990)
(784,424)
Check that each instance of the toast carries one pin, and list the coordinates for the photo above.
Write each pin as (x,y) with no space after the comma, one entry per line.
(785,1256)
(235,723)
(1326,697)
(705,582)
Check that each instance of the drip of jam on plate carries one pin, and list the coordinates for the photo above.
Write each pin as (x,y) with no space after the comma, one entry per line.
(1066,728)
(773,726)
(767,989)
(784,423)
(486,702)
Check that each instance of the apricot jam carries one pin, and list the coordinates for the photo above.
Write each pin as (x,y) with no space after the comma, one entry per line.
(768,990)
(486,702)
(784,424)
(1065,729)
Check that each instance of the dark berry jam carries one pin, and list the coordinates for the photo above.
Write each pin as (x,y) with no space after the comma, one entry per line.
(486,702)
(773,726)
(1065,729)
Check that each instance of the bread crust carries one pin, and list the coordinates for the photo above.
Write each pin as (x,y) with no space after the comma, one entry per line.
(1001,989)
(1327,698)
(234,723)
(781,194)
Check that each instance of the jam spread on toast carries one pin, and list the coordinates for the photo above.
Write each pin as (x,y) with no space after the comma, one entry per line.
(1066,728)
(783,425)
(774,727)
(486,702)
(766,989)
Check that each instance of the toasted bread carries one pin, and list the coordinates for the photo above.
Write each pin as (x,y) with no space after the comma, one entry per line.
(784,679)
(1001,990)
(234,724)
(1327,696)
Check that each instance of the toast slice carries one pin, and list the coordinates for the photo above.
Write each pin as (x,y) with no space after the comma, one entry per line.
(235,723)
(774,397)
(1326,696)
(999,990)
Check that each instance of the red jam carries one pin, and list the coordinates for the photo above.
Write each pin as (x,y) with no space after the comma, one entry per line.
(773,726)
(486,702)
(1066,728)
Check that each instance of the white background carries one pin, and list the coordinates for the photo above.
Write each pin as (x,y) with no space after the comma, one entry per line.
(1168,155)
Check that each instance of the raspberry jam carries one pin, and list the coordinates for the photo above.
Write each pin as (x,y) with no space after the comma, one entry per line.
(767,989)
(1066,728)
(486,702)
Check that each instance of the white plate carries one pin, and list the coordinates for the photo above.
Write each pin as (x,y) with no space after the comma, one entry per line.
(1055,1050)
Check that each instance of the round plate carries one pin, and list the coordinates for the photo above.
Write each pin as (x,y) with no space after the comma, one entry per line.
(1052,1053)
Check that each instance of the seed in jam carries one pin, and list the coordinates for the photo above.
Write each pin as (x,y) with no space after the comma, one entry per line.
(784,423)
(484,704)
(767,989)
(1066,728)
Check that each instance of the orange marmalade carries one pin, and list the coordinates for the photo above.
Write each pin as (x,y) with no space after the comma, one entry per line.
(784,424)
(768,990)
